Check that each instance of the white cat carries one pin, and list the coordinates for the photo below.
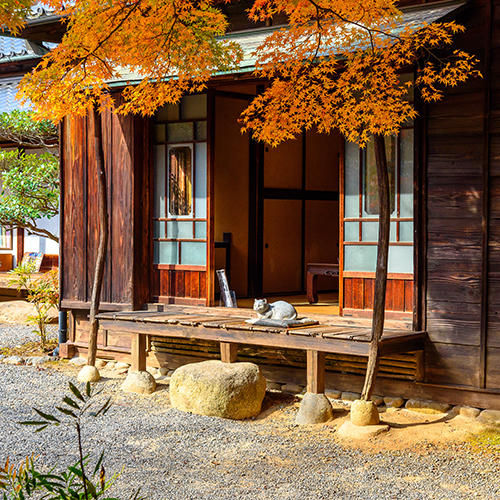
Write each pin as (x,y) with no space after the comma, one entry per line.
(279,310)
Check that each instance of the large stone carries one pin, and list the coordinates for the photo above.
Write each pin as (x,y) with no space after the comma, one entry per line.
(139,382)
(88,373)
(314,409)
(350,431)
(229,390)
(364,413)
(393,402)
(425,406)
(491,417)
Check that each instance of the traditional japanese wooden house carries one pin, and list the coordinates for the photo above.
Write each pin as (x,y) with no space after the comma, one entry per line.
(180,181)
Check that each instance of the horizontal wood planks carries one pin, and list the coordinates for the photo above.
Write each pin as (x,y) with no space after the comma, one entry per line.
(358,294)
(126,158)
(173,284)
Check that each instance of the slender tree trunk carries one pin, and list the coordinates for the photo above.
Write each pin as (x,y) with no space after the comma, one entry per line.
(103,238)
(384,204)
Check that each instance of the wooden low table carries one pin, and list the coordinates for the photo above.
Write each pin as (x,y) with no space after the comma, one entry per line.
(315,270)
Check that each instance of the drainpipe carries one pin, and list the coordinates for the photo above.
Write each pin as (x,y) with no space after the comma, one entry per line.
(63,331)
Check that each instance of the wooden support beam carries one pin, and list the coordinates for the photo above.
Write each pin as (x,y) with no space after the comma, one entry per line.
(228,352)
(315,372)
(138,352)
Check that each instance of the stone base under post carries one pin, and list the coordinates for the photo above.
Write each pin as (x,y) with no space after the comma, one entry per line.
(140,382)
(314,409)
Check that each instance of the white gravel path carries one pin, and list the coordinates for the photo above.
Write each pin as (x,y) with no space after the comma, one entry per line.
(174,455)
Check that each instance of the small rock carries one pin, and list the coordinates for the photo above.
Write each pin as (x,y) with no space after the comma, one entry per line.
(120,365)
(364,413)
(13,360)
(292,388)
(139,382)
(110,365)
(38,360)
(170,372)
(78,361)
(88,373)
(153,370)
(393,402)
(314,409)
(273,386)
(350,396)
(378,400)
(465,411)
(489,417)
(333,394)
(100,363)
(163,370)
(425,406)
(350,431)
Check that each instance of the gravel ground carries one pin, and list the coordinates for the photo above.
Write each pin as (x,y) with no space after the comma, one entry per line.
(174,455)
(14,335)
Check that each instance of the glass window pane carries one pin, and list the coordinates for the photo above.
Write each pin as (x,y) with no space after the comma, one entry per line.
(360,258)
(201,181)
(165,252)
(370,231)
(351,231)
(193,253)
(201,131)
(5,238)
(351,180)
(406,166)
(168,113)
(158,229)
(194,107)
(180,132)
(393,232)
(400,259)
(179,229)
(180,184)
(406,231)
(370,179)
(159,182)
(200,230)
(160,133)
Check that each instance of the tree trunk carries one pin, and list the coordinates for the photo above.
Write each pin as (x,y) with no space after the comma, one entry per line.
(384,226)
(103,238)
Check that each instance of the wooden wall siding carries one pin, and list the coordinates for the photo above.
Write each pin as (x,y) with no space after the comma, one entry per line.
(358,294)
(174,285)
(49,262)
(126,147)
(459,286)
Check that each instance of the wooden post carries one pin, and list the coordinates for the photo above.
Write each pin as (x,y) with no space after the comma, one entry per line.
(384,222)
(103,238)
(315,372)
(138,352)
(228,352)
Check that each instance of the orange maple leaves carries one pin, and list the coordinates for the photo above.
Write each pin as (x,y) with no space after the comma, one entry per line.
(336,65)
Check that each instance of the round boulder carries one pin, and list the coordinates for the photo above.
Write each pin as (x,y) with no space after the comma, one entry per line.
(139,382)
(88,373)
(364,413)
(214,388)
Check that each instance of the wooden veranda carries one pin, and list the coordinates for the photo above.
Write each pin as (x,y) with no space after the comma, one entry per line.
(229,328)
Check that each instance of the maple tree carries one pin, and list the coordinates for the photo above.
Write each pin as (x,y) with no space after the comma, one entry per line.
(336,66)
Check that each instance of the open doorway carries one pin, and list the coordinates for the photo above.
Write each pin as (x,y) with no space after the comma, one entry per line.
(276,210)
